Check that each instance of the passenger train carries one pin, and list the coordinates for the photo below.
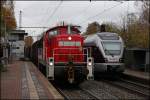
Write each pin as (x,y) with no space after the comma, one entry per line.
(107,49)
(59,54)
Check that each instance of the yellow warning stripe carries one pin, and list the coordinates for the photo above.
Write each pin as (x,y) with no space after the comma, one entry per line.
(32,90)
(51,89)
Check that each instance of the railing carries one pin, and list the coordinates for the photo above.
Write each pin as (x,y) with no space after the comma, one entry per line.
(76,56)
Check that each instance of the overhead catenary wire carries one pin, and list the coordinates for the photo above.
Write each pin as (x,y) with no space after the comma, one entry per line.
(33,27)
(82,12)
(46,12)
(42,19)
(100,13)
(54,11)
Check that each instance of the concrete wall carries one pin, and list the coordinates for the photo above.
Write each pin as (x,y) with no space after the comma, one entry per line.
(137,59)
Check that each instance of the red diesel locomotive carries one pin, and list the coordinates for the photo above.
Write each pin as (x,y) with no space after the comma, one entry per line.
(60,54)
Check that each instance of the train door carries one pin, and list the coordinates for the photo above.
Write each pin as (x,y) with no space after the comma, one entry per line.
(97,55)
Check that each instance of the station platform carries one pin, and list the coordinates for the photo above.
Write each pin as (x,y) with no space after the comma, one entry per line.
(138,74)
(23,80)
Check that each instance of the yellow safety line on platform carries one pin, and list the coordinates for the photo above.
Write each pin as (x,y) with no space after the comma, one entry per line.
(32,89)
(52,90)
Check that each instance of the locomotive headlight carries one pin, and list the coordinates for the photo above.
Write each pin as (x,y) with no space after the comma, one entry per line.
(69,38)
(51,63)
(89,63)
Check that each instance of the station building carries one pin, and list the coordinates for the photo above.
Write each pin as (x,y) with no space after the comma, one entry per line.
(16,42)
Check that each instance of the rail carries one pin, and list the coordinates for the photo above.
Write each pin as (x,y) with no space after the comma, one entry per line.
(76,92)
(130,87)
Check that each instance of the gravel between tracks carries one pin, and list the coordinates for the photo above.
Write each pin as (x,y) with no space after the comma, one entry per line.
(106,91)
(77,94)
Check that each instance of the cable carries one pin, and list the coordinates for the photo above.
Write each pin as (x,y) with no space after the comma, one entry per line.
(43,16)
(100,13)
(50,15)
(54,10)
(82,12)
(45,13)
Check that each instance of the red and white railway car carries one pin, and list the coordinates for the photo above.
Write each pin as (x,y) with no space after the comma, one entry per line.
(61,54)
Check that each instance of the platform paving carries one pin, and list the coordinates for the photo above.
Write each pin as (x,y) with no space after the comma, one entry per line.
(23,80)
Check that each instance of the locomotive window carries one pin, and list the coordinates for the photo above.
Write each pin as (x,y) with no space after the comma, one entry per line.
(74,32)
(50,33)
(55,32)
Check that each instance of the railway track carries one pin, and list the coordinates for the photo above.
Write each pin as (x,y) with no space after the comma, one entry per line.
(132,87)
(104,89)
(142,86)
(135,79)
(74,92)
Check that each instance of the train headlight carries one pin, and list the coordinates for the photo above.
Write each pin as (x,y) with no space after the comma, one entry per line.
(121,60)
(51,63)
(89,63)
(69,38)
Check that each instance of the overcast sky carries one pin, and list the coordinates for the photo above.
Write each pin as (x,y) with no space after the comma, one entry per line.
(41,13)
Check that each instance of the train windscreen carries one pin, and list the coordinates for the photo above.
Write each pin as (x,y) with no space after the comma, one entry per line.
(112,48)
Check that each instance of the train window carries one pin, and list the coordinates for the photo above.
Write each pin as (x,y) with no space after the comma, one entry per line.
(112,48)
(54,32)
(73,32)
(50,33)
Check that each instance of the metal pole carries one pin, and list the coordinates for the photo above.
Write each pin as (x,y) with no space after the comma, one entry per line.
(11,56)
(69,29)
(5,42)
(4,48)
(20,19)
